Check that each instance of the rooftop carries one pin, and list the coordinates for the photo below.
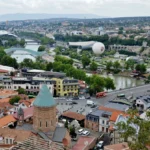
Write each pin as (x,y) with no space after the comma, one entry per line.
(44,98)
(81,143)
(120,146)
(6,120)
(37,143)
(73,115)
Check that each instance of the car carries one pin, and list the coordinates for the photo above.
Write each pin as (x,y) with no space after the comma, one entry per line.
(100,144)
(74,103)
(80,131)
(75,98)
(85,133)
(69,100)
(74,139)
(93,106)
(81,97)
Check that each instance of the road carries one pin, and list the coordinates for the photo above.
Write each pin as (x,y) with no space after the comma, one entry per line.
(63,105)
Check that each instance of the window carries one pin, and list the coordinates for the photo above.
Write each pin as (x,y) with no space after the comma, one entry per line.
(10,140)
(40,123)
(103,122)
(6,141)
(46,123)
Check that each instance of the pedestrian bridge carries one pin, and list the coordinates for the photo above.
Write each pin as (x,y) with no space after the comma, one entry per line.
(24,51)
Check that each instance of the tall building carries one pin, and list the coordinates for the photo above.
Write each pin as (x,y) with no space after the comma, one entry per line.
(66,87)
(44,115)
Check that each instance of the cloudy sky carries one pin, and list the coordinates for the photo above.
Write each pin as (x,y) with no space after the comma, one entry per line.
(111,8)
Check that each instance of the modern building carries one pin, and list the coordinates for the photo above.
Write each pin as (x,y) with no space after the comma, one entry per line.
(44,114)
(31,85)
(66,87)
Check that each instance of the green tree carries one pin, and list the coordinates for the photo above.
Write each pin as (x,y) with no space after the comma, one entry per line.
(22,42)
(8,61)
(109,84)
(14,99)
(21,91)
(41,48)
(141,68)
(130,64)
(136,140)
(93,66)
(66,124)
(72,132)
(109,64)
(85,61)
(49,66)
(2,53)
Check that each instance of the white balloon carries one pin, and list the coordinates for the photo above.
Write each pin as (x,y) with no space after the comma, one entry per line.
(98,48)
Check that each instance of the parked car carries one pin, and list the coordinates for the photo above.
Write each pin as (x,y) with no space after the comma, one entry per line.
(74,139)
(75,98)
(81,97)
(85,133)
(69,100)
(80,131)
(74,103)
(100,144)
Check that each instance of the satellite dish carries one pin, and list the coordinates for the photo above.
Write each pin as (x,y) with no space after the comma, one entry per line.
(98,48)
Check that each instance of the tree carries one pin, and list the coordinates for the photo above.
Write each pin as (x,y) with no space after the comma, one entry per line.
(2,53)
(14,99)
(72,132)
(109,64)
(141,68)
(85,61)
(109,84)
(116,65)
(66,124)
(49,66)
(41,48)
(22,42)
(93,66)
(138,140)
(21,91)
(8,61)
(130,64)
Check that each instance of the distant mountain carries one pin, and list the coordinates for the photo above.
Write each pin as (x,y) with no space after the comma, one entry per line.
(21,16)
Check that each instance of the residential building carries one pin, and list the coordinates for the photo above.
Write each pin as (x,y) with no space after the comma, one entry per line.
(142,102)
(98,120)
(44,114)
(85,143)
(10,137)
(31,85)
(66,87)
(70,116)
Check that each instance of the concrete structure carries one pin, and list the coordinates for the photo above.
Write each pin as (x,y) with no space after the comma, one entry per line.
(44,114)
(66,87)
(123,47)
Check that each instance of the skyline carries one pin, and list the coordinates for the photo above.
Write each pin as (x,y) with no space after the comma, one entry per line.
(105,8)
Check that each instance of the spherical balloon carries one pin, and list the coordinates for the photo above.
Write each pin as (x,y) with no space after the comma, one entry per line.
(98,48)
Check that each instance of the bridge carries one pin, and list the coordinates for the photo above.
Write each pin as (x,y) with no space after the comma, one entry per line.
(33,53)
(30,41)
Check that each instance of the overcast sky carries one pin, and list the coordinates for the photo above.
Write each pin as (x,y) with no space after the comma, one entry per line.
(110,8)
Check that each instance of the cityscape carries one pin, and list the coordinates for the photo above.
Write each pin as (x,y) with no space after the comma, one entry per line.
(72,79)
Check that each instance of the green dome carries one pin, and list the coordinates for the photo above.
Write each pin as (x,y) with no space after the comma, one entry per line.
(44,98)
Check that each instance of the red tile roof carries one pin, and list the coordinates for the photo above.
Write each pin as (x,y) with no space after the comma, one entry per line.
(109,109)
(3,71)
(73,115)
(80,145)
(6,120)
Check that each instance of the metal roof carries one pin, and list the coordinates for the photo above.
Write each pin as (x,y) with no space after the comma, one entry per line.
(44,98)
(59,134)
(32,52)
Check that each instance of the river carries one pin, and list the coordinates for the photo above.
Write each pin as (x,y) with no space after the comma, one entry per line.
(122,82)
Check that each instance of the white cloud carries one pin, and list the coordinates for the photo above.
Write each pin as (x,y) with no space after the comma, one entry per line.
(100,7)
